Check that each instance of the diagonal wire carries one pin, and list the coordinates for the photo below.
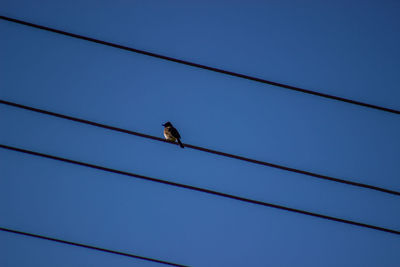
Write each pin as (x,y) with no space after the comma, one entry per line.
(259,162)
(192,64)
(90,247)
(199,189)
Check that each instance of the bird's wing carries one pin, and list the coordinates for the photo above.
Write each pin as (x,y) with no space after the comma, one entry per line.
(175,133)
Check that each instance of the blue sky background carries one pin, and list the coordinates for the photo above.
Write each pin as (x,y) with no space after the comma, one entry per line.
(336,47)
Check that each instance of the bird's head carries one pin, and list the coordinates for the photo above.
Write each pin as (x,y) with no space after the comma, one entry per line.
(167,124)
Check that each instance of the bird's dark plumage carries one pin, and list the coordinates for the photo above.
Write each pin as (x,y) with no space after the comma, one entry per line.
(172,134)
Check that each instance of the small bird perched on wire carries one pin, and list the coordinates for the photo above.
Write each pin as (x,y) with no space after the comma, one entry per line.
(172,134)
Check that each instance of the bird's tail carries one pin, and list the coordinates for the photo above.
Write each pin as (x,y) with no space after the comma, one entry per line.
(180,143)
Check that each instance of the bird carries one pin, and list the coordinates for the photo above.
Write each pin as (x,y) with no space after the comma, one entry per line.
(172,134)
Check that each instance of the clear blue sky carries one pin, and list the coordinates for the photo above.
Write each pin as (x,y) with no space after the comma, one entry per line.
(345,48)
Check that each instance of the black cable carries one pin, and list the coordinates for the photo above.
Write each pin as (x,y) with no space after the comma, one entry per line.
(90,247)
(259,162)
(201,190)
(239,75)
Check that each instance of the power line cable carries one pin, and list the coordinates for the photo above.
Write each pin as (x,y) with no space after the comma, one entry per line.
(199,189)
(90,247)
(192,64)
(259,162)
